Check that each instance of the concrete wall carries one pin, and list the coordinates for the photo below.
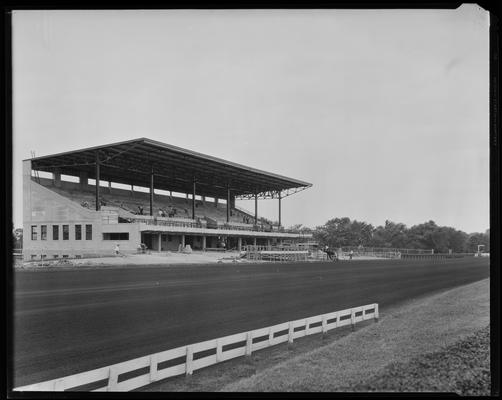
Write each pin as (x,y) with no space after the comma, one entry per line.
(42,206)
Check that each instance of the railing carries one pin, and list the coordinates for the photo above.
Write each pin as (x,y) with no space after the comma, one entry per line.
(376,254)
(386,250)
(437,256)
(282,256)
(254,248)
(166,221)
(186,360)
(235,226)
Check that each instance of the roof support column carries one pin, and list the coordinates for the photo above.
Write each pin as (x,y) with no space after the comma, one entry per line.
(256,208)
(228,203)
(193,199)
(98,205)
(151,193)
(56,177)
(279,209)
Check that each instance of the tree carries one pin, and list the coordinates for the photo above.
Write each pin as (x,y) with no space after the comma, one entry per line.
(391,235)
(476,239)
(339,232)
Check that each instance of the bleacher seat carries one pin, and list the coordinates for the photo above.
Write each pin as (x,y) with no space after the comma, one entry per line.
(129,202)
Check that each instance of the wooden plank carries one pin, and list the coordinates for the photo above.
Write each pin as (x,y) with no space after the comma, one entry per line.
(171,371)
(280,339)
(317,329)
(70,381)
(343,323)
(299,322)
(344,312)
(131,365)
(86,377)
(133,383)
(317,318)
(101,389)
(206,345)
(204,362)
(331,315)
(238,337)
(47,386)
(59,385)
(260,345)
(229,354)
(299,334)
(260,332)
(280,327)
(171,354)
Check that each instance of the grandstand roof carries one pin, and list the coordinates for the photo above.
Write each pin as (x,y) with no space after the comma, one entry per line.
(132,162)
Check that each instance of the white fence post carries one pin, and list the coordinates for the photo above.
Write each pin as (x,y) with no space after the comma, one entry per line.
(290,333)
(189,360)
(153,368)
(249,343)
(270,336)
(353,319)
(113,379)
(336,320)
(376,312)
(324,325)
(219,351)
(306,326)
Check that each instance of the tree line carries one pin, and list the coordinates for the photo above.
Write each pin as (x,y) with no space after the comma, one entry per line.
(342,232)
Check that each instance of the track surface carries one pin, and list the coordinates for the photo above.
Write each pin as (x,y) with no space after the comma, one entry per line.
(72,321)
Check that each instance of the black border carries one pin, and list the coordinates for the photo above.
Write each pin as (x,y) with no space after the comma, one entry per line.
(495,220)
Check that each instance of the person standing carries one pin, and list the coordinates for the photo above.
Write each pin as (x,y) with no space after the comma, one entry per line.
(117,249)
(351,254)
(328,253)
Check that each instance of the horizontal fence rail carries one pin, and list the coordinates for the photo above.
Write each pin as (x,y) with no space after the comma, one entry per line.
(184,360)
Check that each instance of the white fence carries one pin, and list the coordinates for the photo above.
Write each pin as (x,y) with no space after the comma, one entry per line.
(186,359)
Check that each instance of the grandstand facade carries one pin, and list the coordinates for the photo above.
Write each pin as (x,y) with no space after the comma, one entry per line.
(144,191)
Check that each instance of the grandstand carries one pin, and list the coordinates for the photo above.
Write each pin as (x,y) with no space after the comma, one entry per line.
(82,203)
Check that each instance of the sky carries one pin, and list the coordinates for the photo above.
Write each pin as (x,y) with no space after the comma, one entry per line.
(385,112)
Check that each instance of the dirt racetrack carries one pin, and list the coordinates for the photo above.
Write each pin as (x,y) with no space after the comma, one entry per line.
(72,321)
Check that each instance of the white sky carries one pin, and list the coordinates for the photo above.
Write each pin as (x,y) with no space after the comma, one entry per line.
(384,111)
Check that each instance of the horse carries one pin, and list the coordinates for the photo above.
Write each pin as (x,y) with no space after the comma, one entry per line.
(331,254)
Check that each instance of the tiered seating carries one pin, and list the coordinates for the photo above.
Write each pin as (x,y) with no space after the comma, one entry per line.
(206,213)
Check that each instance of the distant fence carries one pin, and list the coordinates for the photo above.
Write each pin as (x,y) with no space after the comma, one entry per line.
(142,371)
(275,253)
(279,256)
(437,256)
(364,249)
